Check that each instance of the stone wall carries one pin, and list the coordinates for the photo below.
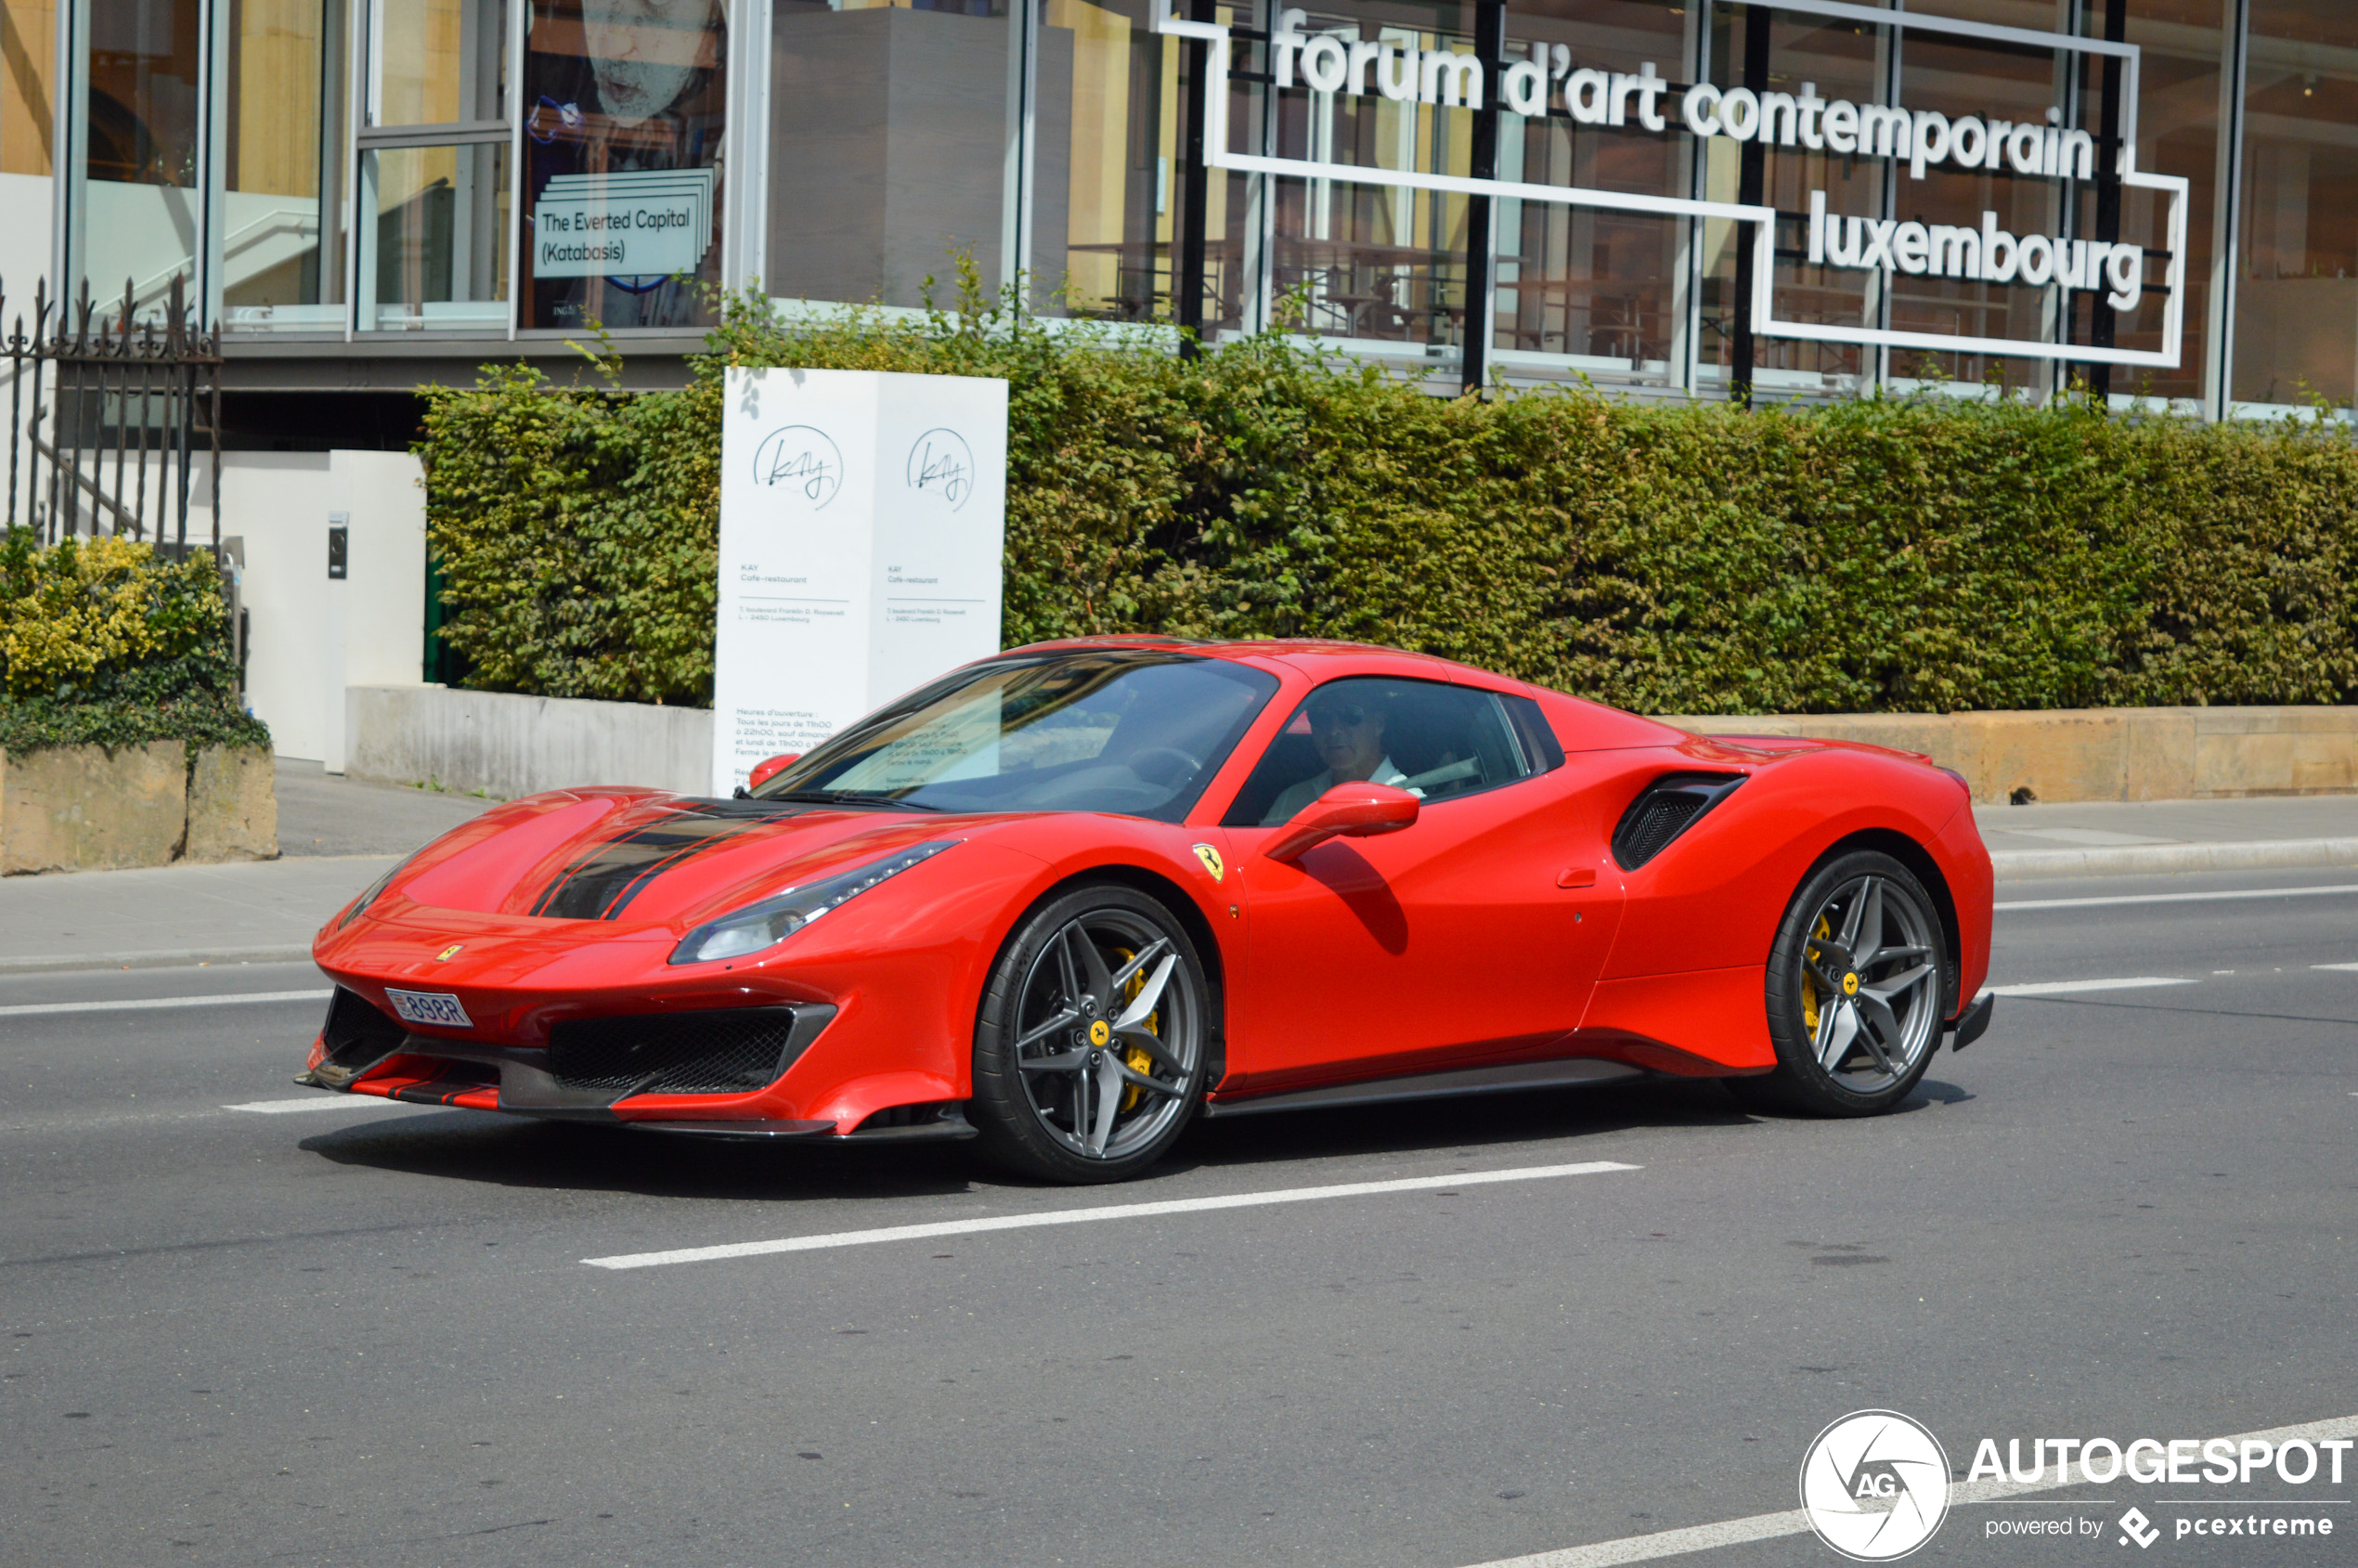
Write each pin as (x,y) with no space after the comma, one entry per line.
(2104,753)
(83,807)
(508,745)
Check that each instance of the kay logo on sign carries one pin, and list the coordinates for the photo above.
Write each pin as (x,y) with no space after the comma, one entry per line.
(941,466)
(802,462)
(1874,1486)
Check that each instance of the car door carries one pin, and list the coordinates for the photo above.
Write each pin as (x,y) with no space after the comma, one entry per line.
(1473,936)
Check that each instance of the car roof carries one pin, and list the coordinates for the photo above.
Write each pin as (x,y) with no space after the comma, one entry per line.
(1302,653)
(1321,659)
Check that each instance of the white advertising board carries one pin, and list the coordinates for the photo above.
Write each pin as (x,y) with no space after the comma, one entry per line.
(863,529)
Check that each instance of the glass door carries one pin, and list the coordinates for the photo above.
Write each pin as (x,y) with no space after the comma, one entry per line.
(282,246)
(134,198)
(435,200)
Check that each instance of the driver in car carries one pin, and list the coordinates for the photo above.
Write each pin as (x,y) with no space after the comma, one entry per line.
(1348,734)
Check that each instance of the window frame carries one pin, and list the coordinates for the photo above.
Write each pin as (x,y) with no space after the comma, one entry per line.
(1173,813)
(1529,730)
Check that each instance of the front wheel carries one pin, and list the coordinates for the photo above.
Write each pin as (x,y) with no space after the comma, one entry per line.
(1091,1044)
(1858,979)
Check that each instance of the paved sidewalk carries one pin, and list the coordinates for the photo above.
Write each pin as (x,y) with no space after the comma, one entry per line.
(335,836)
(2111,838)
(326,814)
(259,912)
(267,912)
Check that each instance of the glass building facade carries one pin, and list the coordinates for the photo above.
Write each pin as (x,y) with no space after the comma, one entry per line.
(375,173)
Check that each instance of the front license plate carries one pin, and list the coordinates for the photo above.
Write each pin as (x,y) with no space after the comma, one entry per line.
(429,1007)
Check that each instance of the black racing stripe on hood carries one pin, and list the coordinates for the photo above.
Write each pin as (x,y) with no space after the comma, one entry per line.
(600,883)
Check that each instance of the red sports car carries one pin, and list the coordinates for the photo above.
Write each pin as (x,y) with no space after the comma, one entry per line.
(1066,899)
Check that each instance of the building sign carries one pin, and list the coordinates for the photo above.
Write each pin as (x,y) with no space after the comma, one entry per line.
(862,531)
(1548,80)
(649,224)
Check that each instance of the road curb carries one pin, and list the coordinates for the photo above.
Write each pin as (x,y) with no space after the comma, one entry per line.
(59,963)
(2148,859)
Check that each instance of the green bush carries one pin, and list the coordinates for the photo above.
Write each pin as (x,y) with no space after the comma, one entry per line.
(1922,555)
(104,642)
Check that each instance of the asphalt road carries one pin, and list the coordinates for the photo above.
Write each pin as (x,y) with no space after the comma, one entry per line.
(366,1333)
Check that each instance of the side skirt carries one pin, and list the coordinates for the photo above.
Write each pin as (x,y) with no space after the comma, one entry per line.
(1458,1082)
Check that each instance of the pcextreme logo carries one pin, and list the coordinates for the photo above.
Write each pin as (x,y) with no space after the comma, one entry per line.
(1874,1486)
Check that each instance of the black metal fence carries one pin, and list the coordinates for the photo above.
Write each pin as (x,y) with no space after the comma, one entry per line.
(111,420)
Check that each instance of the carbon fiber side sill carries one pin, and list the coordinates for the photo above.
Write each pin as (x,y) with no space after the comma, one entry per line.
(1500,1079)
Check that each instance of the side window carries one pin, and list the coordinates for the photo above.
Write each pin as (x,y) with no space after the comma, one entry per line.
(1433,740)
(1532,729)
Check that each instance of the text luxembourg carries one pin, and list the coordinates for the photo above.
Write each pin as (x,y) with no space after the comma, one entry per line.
(1340,61)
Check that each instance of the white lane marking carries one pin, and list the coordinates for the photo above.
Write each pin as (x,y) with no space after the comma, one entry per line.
(75,1123)
(2056,987)
(1766,1526)
(2350,966)
(327,1102)
(1104,1211)
(36,1009)
(2178,898)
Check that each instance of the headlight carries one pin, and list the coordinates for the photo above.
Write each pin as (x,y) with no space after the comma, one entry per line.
(773,920)
(360,905)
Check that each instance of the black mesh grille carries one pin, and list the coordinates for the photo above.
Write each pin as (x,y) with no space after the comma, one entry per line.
(357,1032)
(1663,810)
(724,1051)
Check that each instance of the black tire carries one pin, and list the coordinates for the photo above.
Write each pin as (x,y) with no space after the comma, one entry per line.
(1048,1117)
(1864,1067)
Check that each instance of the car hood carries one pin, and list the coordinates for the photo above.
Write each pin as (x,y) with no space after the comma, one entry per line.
(642,857)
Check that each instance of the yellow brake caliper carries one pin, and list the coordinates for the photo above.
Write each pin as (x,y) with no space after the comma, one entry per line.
(1135,1059)
(1808,986)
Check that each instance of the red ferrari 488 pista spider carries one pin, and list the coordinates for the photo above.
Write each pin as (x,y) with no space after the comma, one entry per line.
(1066,899)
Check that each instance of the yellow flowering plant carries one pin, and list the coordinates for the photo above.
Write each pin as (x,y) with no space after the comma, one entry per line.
(104,640)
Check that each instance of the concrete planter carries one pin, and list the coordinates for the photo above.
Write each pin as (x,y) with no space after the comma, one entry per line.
(83,808)
(2104,753)
(508,745)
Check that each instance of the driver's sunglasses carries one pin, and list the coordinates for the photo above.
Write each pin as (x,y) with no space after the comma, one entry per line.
(1347,716)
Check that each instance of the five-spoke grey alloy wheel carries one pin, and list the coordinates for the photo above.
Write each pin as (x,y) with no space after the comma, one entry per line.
(1857,985)
(1090,1050)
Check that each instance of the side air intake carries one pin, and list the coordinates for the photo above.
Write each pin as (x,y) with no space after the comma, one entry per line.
(357,1033)
(1665,809)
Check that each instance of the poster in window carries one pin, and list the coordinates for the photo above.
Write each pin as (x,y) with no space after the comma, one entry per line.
(626,102)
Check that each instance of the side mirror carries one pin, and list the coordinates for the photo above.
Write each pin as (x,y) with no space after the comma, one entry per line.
(1348,811)
(765,771)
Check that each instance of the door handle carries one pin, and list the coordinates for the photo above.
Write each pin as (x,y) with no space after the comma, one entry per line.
(1577,877)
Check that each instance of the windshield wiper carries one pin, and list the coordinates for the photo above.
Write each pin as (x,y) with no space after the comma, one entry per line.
(851,796)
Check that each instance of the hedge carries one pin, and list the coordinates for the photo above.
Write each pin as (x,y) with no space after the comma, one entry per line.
(1891,553)
(104,642)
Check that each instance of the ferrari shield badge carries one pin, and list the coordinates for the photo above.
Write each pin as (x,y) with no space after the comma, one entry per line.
(448,953)
(1211,857)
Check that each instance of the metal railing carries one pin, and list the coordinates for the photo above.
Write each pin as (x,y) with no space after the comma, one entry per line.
(109,417)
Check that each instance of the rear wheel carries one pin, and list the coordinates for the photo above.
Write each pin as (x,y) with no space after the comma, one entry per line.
(1090,1048)
(1858,980)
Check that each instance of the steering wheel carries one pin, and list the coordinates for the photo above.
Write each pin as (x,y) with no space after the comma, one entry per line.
(1162,766)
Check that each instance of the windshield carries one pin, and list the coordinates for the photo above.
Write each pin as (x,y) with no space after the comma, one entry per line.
(1131,731)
